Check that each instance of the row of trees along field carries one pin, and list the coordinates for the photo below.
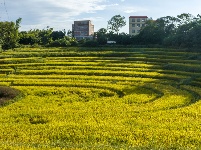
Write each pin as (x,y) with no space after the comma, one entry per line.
(181,31)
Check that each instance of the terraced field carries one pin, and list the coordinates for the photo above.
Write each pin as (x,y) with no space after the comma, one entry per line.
(103,98)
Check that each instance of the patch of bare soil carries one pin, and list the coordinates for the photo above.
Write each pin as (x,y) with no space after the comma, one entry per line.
(7,94)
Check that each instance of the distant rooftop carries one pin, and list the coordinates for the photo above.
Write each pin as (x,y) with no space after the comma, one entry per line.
(81,20)
(138,17)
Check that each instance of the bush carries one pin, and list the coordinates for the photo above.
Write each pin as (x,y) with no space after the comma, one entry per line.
(60,43)
(102,40)
(7,93)
(91,43)
(73,43)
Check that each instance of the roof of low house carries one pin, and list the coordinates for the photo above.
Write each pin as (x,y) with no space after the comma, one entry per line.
(138,17)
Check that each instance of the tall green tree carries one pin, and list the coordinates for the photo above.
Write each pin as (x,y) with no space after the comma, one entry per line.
(152,33)
(9,34)
(70,33)
(57,35)
(45,36)
(101,36)
(116,22)
(186,33)
(30,37)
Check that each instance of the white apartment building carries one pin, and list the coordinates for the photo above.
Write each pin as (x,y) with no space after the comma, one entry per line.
(136,23)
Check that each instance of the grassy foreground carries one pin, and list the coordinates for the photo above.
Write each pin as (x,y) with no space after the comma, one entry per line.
(101,99)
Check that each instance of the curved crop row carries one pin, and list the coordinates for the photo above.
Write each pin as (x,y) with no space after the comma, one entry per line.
(101,99)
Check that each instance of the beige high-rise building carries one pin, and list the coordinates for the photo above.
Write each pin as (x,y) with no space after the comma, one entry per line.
(83,29)
(136,23)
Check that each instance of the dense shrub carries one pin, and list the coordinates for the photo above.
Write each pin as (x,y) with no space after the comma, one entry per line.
(60,43)
(91,43)
(7,93)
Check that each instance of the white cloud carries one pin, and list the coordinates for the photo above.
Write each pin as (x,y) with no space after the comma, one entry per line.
(60,14)
(78,6)
(92,19)
(51,12)
(133,9)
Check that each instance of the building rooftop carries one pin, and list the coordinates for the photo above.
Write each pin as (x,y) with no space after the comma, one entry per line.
(81,20)
(138,17)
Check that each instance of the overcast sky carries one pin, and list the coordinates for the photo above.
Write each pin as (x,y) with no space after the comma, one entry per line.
(60,14)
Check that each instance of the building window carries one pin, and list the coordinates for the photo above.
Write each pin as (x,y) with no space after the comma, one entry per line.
(138,31)
(143,20)
(138,25)
(143,25)
(133,25)
(138,19)
(133,31)
(133,20)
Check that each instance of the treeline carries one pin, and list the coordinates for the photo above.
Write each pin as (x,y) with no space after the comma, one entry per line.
(47,37)
(182,31)
(11,37)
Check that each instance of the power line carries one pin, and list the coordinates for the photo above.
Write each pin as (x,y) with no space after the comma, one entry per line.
(6,9)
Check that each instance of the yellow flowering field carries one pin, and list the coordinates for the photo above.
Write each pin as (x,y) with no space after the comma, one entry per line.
(101,98)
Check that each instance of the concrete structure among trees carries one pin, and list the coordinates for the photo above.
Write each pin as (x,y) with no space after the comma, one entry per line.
(83,29)
(136,23)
